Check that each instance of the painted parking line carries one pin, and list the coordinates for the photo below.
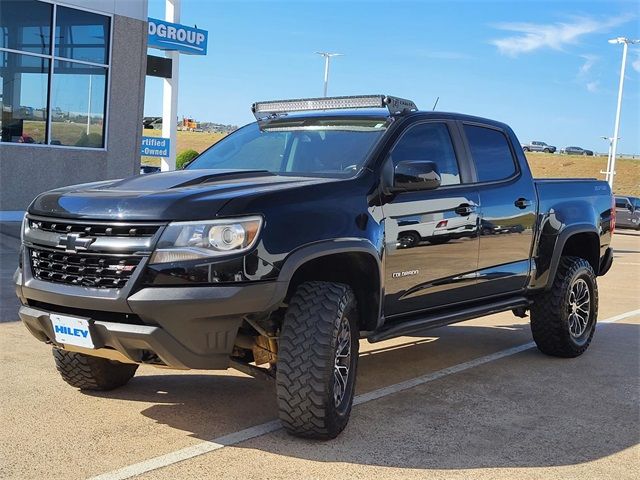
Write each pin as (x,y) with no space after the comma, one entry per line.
(240,436)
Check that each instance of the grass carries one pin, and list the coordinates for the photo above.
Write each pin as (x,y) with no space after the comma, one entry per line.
(627,180)
(543,165)
(198,141)
(67,133)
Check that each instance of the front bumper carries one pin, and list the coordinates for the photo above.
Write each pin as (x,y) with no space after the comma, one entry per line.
(184,328)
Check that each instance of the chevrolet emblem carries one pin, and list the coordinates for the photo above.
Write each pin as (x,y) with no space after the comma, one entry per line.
(74,242)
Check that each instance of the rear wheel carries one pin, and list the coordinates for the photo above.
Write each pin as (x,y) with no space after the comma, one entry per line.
(317,360)
(92,373)
(563,320)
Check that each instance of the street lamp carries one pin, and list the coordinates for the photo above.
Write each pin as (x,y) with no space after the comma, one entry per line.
(612,163)
(327,57)
(609,140)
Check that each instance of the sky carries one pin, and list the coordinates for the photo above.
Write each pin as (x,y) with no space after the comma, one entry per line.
(545,68)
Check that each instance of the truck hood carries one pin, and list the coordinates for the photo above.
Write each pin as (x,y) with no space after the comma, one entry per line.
(179,195)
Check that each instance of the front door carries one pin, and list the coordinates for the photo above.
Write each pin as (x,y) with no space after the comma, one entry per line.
(431,237)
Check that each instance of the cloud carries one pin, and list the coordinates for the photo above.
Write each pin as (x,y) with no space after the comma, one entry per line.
(593,86)
(534,36)
(589,62)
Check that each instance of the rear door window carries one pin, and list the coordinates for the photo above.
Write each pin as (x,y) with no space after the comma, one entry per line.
(490,152)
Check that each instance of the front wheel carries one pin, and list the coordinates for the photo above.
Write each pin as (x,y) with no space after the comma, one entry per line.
(563,320)
(92,373)
(317,360)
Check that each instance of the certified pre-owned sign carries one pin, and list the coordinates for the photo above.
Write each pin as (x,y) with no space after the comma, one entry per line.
(154,147)
(173,36)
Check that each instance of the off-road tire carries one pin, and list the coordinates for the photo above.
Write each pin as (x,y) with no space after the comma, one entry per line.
(307,357)
(550,311)
(92,373)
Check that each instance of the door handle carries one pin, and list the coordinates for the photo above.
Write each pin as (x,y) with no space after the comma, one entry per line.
(522,203)
(465,209)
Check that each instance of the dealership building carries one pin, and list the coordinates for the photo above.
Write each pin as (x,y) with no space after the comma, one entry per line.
(72,79)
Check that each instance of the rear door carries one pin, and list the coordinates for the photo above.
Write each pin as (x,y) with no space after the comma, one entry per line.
(431,237)
(507,210)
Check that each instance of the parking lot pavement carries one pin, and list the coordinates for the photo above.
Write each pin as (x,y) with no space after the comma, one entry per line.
(522,415)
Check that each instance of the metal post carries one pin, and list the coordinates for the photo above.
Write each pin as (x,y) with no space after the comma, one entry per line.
(89,107)
(616,129)
(609,160)
(326,73)
(327,58)
(170,93)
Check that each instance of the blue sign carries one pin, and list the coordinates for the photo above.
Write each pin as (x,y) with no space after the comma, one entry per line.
(155,147)
(180,38)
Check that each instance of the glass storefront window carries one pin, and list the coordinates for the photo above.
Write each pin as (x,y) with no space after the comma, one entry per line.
(53,95)
(82,35)
(25,25)
(24,81)
(77,104)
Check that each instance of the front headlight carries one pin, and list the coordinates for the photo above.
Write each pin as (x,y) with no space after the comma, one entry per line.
(182,241)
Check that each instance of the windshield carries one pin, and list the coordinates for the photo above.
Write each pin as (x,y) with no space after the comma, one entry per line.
(314,147)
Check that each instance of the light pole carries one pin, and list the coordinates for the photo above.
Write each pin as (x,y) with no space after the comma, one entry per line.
(89,107)
(609,141)
(612,163)
(327,57)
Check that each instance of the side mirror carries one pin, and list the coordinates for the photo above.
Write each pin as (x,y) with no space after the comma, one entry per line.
(412,175)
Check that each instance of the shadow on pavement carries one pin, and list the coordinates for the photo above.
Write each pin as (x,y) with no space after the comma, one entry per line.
(529,410)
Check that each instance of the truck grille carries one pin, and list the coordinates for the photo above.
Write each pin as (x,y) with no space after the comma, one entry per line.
(83,269)
(94,230)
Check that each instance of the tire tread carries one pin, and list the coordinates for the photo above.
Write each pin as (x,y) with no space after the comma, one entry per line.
(91,373)
(549,330)
(305,359)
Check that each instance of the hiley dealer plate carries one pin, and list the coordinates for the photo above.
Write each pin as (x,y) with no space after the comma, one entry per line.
(71,330)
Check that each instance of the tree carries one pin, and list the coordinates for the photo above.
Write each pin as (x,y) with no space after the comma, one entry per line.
(185,157)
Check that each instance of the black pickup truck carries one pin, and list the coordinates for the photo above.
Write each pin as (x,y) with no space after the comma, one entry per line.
(281,246)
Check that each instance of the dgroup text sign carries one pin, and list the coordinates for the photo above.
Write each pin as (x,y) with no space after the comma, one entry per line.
(174,36)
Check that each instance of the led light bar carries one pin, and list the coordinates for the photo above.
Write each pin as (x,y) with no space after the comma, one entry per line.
(263,110)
